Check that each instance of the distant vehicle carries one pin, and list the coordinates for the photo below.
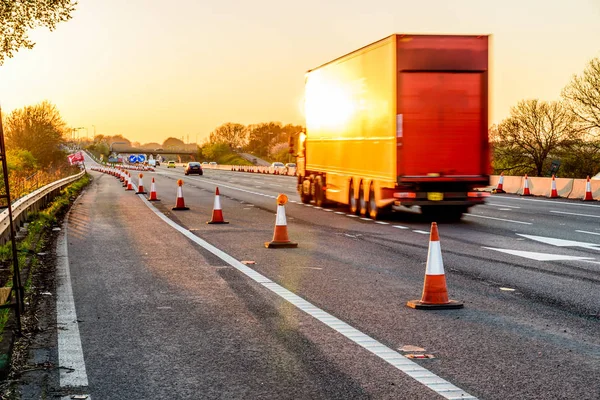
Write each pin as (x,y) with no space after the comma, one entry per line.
(291,165)
(193,168)
(157,163)
(278,165)
(205,163)
(152,163)
(212,163)
(171,164)
(422,138)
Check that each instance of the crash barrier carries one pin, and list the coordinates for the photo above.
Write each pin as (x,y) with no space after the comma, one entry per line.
(33,202)
(256,169)
(565,187)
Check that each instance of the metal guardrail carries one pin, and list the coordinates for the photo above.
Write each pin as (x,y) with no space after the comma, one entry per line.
(34,201)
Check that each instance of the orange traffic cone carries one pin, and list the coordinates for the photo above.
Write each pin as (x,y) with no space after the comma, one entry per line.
(280,236)
(153,192)
(435,293)
(141,184)
(125,179)
(217,215)
(526,191)
(180,204)
(500,187)
(588,190)
(554,192)
(129,184)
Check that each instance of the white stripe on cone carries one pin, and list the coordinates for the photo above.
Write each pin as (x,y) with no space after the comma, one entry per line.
(280,220)
(217,204)
(435,264)
(179,192)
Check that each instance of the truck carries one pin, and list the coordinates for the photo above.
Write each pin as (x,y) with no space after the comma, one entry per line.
(402,122)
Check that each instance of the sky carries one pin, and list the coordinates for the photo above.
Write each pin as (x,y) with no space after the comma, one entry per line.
(151,69)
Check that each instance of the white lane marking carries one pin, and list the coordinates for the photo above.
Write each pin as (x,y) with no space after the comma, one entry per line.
(70,352)
(498,219)
(579,215)
(504,209)
(410,368)
(500,205)
(400,227)
(327,209)
(551,201)
(366,219)
(539,256)
(382,222)
(421,232)
(351,215)
(340,213)
(589,233)
(561,242)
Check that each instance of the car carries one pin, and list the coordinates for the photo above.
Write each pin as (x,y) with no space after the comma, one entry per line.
(193,168)
(291,165)
(212,163)
(278,165)
(157,163)
(205,163)
(171,164)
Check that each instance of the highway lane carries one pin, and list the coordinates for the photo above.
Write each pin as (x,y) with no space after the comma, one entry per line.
(538,341)
(554,301)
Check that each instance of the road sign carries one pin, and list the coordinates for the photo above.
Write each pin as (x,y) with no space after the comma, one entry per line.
(141,158)
(133,159)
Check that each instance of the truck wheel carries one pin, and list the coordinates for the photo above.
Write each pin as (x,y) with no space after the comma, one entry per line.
(305,198)
(362,203)
(352,201)
(372,204)
(319,192)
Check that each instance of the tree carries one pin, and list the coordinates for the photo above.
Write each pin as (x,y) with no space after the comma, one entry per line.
(583,96)
(17,17)
(261,136)
(532,132)
(230,133)
(215,151)
(172,143)
(38,129)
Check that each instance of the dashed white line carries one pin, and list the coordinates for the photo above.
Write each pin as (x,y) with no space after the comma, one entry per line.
(576,214)
(400,227)
(382,223)
(589,233)
(500,205)
(410,368)
(351,215)
(422,232)
(340,213)
(498,219)
(366,219)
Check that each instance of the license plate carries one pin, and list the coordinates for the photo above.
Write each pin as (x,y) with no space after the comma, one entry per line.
(435,196)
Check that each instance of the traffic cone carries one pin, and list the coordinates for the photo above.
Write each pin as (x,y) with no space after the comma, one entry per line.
(435,293)
(129,184)
(180,204)
(526,191)
(280,236)
(588,190)
(125,178)
(500,187)
(217,215)
(141,184)
(553,193)
(153,192)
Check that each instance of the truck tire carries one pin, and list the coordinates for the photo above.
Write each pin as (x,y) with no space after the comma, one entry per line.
(372,208)
(319,192)
(362,203)
(352,201)
(304,198)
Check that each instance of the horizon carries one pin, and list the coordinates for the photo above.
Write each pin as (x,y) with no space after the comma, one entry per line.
(209,64)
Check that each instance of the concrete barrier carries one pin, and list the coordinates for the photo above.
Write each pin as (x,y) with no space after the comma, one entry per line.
(578,191)
(543,186)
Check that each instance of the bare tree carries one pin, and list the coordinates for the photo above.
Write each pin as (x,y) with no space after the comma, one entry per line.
(230,133)
(534,130)
(583,96)
(17,17)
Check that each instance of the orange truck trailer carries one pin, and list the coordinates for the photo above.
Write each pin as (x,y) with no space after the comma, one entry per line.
(399,123)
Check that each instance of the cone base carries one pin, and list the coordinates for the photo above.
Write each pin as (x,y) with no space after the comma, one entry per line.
(498,191)
(141,192)
(280,245)
(417,304)
(153,199)
(180,208)
(217,222)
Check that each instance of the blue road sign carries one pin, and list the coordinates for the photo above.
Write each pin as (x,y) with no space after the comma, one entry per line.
(132,158)
(141,158)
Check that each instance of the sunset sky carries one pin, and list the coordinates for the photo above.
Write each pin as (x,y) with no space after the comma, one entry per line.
(151,69)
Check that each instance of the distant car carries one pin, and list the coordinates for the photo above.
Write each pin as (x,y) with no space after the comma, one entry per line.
(291,165)
(171,164)
(212,163)
(193,168)
(278,165)
(205,163)
(157,163)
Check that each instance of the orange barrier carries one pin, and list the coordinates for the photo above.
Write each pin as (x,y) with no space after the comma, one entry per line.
(435,293)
